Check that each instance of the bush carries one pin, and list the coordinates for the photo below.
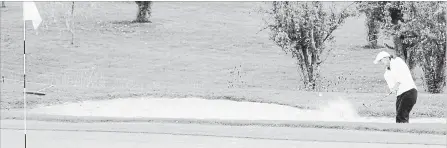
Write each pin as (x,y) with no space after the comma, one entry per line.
(303,29)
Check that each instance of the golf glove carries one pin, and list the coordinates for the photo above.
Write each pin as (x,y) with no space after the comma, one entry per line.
(394,90)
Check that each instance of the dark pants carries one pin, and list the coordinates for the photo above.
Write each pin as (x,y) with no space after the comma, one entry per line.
(404,105)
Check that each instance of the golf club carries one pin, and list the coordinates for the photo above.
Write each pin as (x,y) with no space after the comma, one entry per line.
(380,99)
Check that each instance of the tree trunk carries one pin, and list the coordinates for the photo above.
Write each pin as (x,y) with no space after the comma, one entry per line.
(3,4)
(307,55)
(72,29)
(144,11)
(372,30)
(434,67)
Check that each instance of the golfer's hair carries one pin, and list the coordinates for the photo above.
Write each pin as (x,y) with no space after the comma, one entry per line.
(391,57)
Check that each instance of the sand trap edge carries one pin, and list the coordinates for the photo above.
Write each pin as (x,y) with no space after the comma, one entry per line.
(418,128)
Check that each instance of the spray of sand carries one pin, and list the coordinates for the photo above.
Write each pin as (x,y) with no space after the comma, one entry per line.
(338,109)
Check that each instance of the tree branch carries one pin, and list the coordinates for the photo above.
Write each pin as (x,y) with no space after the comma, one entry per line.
(388,46)
(340,20)
(268,26)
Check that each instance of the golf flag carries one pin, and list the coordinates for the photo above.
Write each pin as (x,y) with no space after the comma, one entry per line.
(31,13)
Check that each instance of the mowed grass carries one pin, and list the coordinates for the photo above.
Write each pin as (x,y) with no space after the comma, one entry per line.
(210,49)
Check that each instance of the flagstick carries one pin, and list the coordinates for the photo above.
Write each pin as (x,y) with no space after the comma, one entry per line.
(30,12)
(24,77)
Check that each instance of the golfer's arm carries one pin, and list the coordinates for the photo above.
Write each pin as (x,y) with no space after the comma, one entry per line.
(397,76)
(398,81)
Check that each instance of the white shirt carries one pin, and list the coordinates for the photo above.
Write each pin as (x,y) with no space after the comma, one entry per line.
(399,72)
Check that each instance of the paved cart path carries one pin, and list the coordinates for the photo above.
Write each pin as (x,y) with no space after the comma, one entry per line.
(111,135)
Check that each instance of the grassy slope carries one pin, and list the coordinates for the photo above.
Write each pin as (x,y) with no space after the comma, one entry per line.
(190,49)
(420,128)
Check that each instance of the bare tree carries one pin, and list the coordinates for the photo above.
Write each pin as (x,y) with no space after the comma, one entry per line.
(72,23)
(69,22)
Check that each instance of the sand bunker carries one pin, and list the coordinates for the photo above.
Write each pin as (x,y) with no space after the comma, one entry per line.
(197,108)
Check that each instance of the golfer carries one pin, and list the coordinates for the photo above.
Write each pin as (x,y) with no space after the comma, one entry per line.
(399,79)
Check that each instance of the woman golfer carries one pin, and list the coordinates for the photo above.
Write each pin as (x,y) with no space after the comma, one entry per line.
(399,79)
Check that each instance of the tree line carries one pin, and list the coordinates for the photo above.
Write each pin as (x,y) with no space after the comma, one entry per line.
(418,30)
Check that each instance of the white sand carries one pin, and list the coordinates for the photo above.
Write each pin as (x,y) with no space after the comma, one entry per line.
(197,108)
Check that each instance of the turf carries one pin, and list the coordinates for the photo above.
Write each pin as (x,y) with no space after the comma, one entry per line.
(417,128)
(209,49)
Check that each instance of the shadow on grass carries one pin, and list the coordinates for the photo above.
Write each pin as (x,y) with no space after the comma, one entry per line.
(127,22)
(372,47)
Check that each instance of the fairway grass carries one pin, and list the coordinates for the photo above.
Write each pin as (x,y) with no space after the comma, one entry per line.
(212,50)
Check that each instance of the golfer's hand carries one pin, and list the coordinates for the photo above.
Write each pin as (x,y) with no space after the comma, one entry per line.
(393,91)
(395,88)
(390,93)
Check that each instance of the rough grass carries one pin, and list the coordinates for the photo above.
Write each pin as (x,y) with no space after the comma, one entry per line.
(418,128)
(209,49)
